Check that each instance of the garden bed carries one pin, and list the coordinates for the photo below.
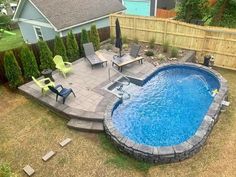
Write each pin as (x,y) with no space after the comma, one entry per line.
(155,55)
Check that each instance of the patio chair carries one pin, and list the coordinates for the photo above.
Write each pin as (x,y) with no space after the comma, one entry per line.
(59,90)
(92,56)
(134,52)
(127,59)
(64,67)
(42,85)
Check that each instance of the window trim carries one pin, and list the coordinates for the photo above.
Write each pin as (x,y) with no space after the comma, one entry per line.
(36,34)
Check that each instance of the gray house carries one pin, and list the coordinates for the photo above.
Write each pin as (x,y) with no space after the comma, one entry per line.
(43,19)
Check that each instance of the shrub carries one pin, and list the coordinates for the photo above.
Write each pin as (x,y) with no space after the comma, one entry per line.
(166,46)
(45,56)
(124,40)
(59,48)
(94,37)
(12,70)
(135,40)
(29,63)
(112,39)
(152,43)
(174,52)
(5,171)
(72,47)
(161,57)
(149,53)
(83,40)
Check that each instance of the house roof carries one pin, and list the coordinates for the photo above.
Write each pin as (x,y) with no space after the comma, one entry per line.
(63,14)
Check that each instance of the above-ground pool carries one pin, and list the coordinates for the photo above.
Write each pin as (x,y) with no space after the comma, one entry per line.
(137,7)
(171,111)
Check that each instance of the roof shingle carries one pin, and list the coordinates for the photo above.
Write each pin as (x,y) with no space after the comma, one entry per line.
(66,13)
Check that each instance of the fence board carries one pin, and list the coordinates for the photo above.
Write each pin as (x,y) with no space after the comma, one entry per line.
(217,41)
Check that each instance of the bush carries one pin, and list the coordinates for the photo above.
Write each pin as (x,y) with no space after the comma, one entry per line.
(83,40)
(174,52)
(149,53)
(45,56)
(124,40)
(12,70)
(112,39)
(166,46)
(29,63)
(135,40)
(59,48)
(72,47)
(94,37)
(152,43)
(5,171)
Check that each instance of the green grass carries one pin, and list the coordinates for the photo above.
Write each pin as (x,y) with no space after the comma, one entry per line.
(8,42)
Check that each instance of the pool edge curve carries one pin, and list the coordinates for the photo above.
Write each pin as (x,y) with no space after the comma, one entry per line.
(167,154)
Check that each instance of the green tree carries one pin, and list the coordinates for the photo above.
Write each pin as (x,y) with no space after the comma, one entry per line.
(29,63)
(12,70)
(83,40)
(224,14)
(59,48)
(72,47)
(46,61)
(192,9)
(94,37)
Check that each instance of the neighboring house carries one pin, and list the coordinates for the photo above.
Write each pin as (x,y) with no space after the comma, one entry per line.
(44,19)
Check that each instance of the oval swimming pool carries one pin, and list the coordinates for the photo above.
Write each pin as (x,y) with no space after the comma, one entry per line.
(168,109)
(169,114)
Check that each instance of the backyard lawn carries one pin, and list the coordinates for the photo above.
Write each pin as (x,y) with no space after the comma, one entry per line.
(11,41)
(28,131)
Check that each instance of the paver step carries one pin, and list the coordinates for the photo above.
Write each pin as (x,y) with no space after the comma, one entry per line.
(84,125)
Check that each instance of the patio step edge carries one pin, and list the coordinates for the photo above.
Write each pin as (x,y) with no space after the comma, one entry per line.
(86,126)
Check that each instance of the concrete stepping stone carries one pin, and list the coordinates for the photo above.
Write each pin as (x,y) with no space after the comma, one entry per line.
(65,142)
(225,103)
(28,170)
(48,156)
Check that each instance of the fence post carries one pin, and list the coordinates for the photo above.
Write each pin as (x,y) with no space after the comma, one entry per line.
(165,31)
(134,28)
(110,21)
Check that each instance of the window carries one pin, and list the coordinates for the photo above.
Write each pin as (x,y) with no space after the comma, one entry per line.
(38,33)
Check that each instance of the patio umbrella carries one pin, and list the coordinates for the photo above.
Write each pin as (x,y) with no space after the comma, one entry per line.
(118,36)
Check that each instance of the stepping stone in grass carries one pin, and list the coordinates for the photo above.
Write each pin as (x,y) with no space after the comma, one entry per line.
(28,170)
(65,142)
(48,156)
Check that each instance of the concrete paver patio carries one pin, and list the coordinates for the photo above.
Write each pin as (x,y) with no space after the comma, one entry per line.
(87,83)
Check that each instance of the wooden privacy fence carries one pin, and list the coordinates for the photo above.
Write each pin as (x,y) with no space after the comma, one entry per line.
(104,34)
(219,42)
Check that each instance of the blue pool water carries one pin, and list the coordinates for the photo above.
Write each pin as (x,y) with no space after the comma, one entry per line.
(137,7)
(168,109)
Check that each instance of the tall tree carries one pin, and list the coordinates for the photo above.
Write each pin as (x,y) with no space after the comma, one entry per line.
(224,13)
(83,40)
(12,70)
(46,60)
(59,48)
(29,63)
(192,9)
(72,47)
(94,37)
